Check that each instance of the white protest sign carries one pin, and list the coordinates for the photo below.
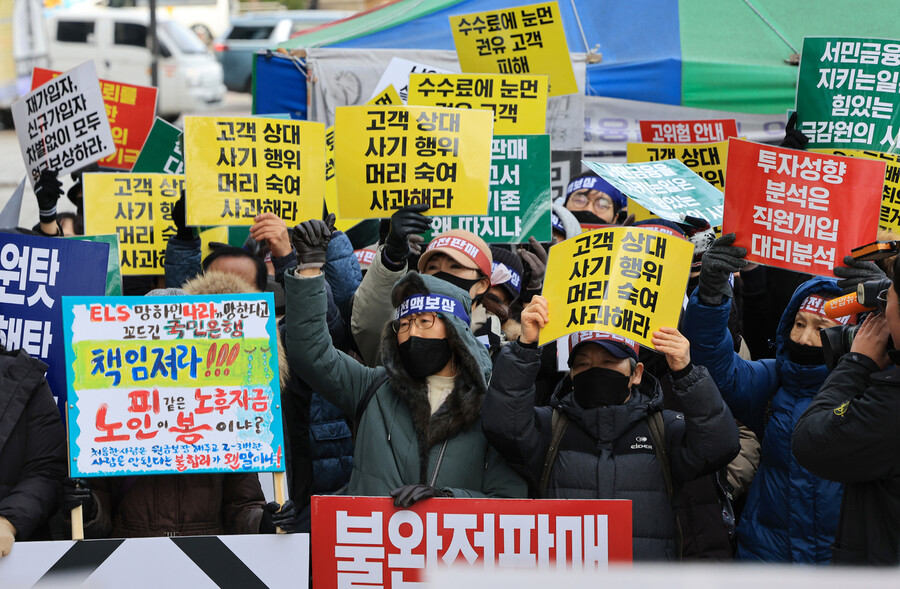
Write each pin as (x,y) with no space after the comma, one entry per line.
(397,75)
(62,125)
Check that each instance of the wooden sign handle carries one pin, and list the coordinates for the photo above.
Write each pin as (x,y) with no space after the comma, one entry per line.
(77,523)
(280,495)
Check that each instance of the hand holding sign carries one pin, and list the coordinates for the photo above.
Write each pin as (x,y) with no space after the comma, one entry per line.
(534,318)
(856,272)
(406,222)
(675,346)
(310,239)
(271,228)
(720,261)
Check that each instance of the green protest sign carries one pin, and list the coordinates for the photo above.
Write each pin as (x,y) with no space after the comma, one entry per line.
(162,152)
(113,273)
(668,189)
(846,93)
(519,204)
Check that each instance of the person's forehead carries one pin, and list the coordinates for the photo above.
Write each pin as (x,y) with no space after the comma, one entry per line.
(595,350)
(442,257)
(815,320)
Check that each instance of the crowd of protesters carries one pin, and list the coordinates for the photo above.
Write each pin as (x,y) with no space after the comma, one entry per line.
(417,374)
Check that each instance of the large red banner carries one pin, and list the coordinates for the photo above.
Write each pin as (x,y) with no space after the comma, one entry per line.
(368,541)
(705,131)
(798,210)
(131,111)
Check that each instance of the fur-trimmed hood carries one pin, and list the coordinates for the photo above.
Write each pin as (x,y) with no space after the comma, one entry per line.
(462,408)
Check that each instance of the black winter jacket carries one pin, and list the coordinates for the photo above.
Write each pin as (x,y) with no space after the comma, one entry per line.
(608,452)
(850,433)
(32,445)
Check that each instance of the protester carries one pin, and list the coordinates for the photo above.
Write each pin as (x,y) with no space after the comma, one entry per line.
(418,432)
(591,193)
(609,450)
(32,450)
(850,433)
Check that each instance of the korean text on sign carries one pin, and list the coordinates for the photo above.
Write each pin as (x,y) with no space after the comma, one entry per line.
(130,110)
(173,384)
(388,157)
(667,188)
(707,160)
(522,40)
(237,168)
(138,208)
(890,195)
(705,131)
(519,103)
(35,273)
(62,125)
(847,92)
(625,281)
(520,194)
(800,211)
(366,541)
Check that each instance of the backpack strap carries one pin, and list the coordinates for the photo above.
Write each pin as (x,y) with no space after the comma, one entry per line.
(558,423)
(364,402)
(658,432)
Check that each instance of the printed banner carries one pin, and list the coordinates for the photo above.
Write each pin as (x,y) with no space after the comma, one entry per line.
(162,153)
(707,160)
(522,40)
(113,271)
(705,131)
(173,384)
(623,280)
(890,195)
(138,209)
(62,125)
(798,210)
(668,189)
(130,110)
(847,93)
(35,272)
(366,541)
(239,167)
(397,74)
(389,157)
(519,103)
(519,204)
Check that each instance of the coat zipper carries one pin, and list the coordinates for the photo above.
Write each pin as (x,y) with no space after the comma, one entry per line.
(437,466)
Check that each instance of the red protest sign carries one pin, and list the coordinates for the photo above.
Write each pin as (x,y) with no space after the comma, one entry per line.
(705,131)
(798,210)
(131,111)
(366,540)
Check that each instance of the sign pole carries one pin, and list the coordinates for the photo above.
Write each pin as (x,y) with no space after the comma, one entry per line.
(77,523)
(278,479)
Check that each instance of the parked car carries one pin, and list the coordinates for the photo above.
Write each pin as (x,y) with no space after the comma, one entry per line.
(254,31)
(117,40)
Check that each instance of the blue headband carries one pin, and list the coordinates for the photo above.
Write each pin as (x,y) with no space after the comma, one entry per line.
(434,303)
(597,183)
(515,279)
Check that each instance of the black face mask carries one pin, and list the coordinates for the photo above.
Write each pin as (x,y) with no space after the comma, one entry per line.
(598,387)
(464,283)
(805,355)
(423,356)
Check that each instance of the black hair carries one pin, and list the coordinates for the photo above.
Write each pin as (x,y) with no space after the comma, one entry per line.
(236,252)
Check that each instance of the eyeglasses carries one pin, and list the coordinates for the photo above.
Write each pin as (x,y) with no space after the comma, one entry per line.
(423,321)
(601,202)
(883,300)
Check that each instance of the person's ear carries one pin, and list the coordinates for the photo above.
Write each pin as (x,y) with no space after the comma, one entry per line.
(480,287)
(636,374)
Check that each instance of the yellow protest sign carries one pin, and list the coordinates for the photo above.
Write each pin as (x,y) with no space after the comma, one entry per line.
(707,160)
(387,97)
(623,280)
(331,199)
(239,167)
(137,208)
(889,217)
(387,157)
(519,103)
(521,40)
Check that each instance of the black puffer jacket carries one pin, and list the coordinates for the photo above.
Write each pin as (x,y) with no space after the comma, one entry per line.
(32,445)
(608,452)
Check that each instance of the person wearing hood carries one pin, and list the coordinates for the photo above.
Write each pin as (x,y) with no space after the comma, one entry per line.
(790,514)
(613,410)
(418,427)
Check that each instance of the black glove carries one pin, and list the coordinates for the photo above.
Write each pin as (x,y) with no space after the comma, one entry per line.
(720,261)
(310,239)
(179,218)
(793,138)
(406,495)
(273,517)
(536,261)
(405,222)
(855,272)
(75,492)
(47,189)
